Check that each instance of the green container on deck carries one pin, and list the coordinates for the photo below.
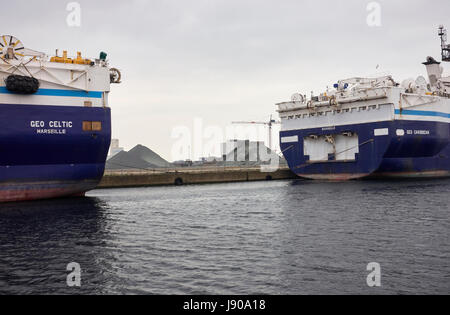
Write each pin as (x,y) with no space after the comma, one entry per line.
(103,56)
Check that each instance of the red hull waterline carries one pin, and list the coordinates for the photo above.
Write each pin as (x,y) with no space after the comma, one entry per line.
(332,177)
(38,191)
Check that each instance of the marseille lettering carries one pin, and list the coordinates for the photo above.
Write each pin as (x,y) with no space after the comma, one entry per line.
(51,131)
(53,127)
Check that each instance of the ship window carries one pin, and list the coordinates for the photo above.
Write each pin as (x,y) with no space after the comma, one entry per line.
(96,126)
(87,125)
(373,107)
(354,109)
(92,126)
(305,115)
(363,108)
(346,110)
(291,117)
(298,116)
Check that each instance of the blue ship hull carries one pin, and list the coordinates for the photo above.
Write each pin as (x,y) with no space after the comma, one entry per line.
(410,155)
(48,152)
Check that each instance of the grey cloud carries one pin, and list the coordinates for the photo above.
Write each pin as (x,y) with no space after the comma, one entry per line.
(227,59)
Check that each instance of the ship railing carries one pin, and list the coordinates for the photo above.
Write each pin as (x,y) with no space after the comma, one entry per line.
(356,95)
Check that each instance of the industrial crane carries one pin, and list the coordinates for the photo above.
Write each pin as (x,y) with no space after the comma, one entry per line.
(270,123)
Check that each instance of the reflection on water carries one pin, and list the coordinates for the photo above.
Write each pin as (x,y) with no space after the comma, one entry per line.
(39,239)
(288,237)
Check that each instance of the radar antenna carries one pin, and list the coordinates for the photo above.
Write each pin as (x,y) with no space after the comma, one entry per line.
(444,45)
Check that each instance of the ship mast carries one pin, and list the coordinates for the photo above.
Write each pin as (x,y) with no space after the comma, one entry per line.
(445,47)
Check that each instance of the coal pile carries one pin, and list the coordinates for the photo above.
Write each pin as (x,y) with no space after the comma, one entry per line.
(140,157)
(248,153)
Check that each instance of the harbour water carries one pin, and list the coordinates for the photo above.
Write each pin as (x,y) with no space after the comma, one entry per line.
(280,237)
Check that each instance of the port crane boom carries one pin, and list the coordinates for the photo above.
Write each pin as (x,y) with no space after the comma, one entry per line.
(270,124)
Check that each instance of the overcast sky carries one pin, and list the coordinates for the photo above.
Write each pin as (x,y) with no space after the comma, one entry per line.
(226,60)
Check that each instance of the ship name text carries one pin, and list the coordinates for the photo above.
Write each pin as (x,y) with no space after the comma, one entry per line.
(53,127)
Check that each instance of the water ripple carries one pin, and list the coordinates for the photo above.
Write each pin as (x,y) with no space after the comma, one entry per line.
(288,237)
